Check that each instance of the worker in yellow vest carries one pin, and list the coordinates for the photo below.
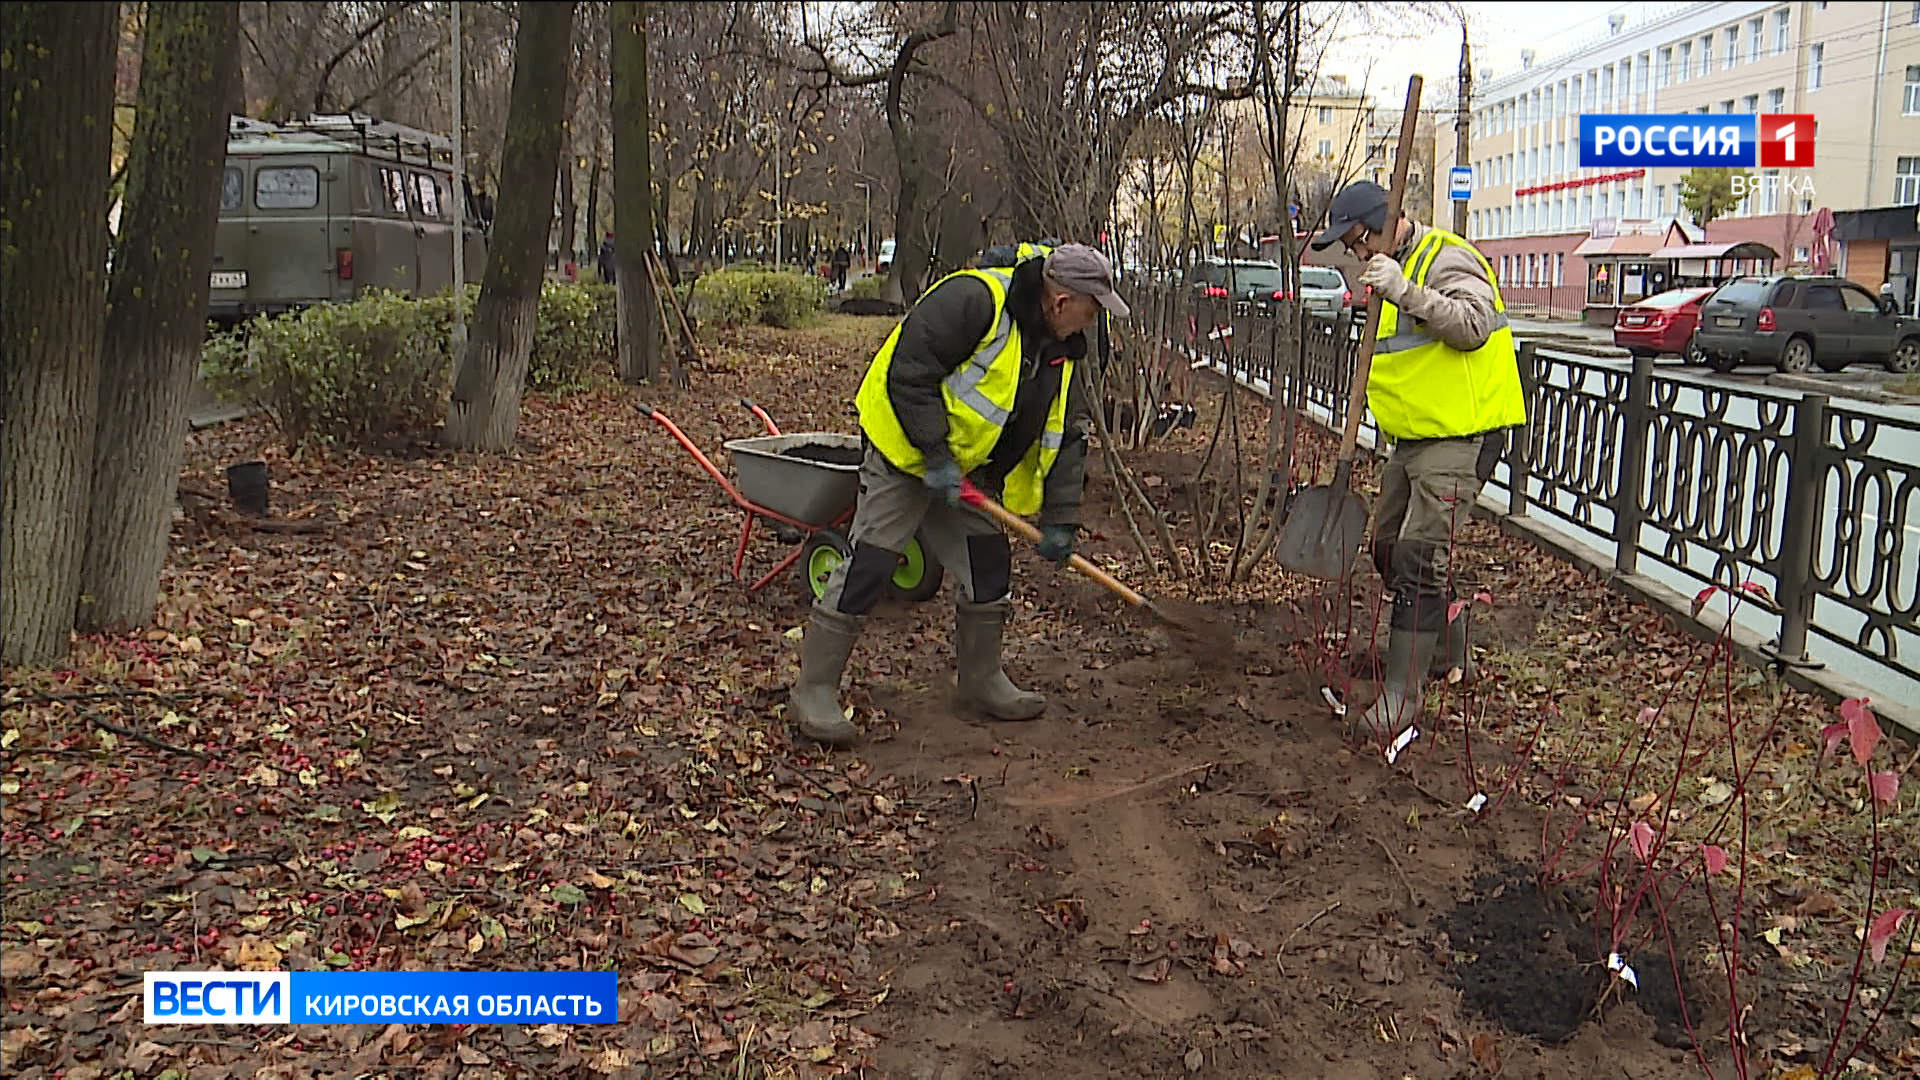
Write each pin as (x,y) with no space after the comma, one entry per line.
(975,384)
(1445,389)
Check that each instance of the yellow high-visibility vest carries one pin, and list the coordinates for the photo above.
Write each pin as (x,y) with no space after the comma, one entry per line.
(1422,388)
(979,397)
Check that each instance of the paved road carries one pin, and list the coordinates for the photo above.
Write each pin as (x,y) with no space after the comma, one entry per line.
(1864,381)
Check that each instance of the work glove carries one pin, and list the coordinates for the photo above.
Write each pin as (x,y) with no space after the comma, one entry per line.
(1056,542)
(1385,277)
(943,479)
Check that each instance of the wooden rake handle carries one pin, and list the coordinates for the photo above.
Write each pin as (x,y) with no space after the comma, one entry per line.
(1025,529)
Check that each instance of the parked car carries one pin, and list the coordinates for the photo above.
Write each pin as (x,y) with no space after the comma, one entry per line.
(1324,291)
(885,262)
(1662,324)
(1797,322)
(320,210)
(1238,279)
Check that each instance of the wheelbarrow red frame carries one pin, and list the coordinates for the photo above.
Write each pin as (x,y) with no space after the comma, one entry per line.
(753,510)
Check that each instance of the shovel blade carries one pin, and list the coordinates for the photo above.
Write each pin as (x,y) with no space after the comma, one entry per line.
(1323,532)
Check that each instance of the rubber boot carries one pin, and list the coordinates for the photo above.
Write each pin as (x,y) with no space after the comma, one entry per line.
(1459,650)
(982,683)
(816,696)
(1402,695)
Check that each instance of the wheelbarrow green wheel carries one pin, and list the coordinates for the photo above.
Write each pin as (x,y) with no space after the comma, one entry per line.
(824,550)
(919,574)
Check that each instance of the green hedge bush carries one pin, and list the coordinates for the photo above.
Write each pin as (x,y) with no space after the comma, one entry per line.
(735,297)
(866,288)
(359,374)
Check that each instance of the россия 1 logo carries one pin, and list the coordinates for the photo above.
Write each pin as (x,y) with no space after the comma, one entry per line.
(1696,140)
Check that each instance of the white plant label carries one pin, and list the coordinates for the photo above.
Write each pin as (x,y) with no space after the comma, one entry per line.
(1405,740)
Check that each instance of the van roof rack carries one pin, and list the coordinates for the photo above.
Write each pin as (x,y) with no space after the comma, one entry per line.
(375,138)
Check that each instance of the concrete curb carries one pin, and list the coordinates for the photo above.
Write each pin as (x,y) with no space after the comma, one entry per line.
(1749,646)
(1839,388)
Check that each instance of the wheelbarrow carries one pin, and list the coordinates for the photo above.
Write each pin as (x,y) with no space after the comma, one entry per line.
(805,485)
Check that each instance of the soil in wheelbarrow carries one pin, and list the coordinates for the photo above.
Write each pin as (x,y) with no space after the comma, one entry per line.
(825,455)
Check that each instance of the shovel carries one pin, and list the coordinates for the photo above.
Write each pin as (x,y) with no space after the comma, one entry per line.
(1025,529)
(1326,526)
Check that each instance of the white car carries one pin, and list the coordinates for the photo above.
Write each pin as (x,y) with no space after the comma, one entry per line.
(886,257)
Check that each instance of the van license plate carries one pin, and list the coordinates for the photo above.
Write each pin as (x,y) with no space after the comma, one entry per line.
(229,279)
(1727,320)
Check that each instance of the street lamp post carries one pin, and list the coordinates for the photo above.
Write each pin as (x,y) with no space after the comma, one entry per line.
(866,218)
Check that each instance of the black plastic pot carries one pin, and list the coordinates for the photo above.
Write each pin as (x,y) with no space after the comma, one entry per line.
(249,486)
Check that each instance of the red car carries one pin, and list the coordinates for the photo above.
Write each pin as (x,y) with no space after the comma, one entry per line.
(1661,324)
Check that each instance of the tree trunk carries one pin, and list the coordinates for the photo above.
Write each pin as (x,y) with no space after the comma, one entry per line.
(157,304)
(57,86)
(593,197)
(485,408)
(569,210)
(637,318)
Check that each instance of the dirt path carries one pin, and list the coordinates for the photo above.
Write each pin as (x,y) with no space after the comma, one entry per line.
(1182,868)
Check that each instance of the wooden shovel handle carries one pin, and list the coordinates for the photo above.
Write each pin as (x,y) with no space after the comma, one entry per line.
(1025,529)
(1363,356)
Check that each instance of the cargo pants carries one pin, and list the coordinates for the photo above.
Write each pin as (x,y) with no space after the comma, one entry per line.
(894,507)
(1427,492)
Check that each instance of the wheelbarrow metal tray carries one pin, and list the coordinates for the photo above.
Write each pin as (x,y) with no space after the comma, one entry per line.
(815,492)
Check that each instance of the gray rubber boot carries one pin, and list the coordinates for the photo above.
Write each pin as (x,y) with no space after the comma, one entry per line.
(1459,650)
(982,683)
(816,696)
(1402,695)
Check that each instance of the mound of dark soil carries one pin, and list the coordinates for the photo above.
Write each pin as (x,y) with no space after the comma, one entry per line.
(1518,957)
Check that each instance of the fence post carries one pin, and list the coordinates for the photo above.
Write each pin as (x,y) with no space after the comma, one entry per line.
(1806,494)
(1627,511)
(1520,441)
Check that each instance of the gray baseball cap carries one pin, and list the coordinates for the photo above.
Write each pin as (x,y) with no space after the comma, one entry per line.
(1079,268)
(1360,203)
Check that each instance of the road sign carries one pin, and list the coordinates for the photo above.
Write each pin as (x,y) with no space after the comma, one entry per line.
(1460,183)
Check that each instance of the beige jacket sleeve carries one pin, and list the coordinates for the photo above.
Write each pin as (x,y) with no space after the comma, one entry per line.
(1456,303)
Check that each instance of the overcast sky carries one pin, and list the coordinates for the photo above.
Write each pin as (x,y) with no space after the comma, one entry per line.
(1499,32)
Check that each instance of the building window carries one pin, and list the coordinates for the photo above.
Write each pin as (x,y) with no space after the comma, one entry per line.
(1606,83)
(1606,201)
(1665,74)
(1780,31)
(1816,65)
(1326,114)
(1560,268)
(1685,68)
(1754,29)
(1906,181)
(1626,80)
(1634,202)
(1727,106)
(1706,56)
(1586,209)
(1326,148)
(1750,103)
(1733,46)
(1777,99)
(1911,103)
(1770,191)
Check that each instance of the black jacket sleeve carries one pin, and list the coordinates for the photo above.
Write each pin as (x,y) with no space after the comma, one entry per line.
(1067,480)
(941,331)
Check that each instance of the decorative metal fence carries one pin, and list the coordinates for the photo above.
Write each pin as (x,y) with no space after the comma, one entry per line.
(1815,503)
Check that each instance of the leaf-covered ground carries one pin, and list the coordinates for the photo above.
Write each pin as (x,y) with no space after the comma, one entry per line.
(514,713)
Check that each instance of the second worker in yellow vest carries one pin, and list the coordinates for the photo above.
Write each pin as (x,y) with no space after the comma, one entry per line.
(1445,389)
(977,382)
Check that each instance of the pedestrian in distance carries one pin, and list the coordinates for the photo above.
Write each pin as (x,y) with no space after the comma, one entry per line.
(976,383)
(1445,390)
(607,264)
(842,258)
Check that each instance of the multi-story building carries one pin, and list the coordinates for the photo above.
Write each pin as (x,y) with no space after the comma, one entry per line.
(1569,239)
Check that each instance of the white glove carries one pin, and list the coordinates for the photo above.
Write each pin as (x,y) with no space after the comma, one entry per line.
(1385,277)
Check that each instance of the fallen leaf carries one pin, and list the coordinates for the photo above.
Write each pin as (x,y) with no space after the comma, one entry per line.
(470,1056)
(1194,1059)
(1486,1053)
(1155,972)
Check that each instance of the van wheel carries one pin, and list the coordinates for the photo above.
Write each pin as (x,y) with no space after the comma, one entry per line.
(1694,355)
(1905,357)
(1797,357)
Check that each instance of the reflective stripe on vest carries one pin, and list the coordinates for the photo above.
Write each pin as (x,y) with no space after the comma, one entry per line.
(1422,388)
(979,397)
